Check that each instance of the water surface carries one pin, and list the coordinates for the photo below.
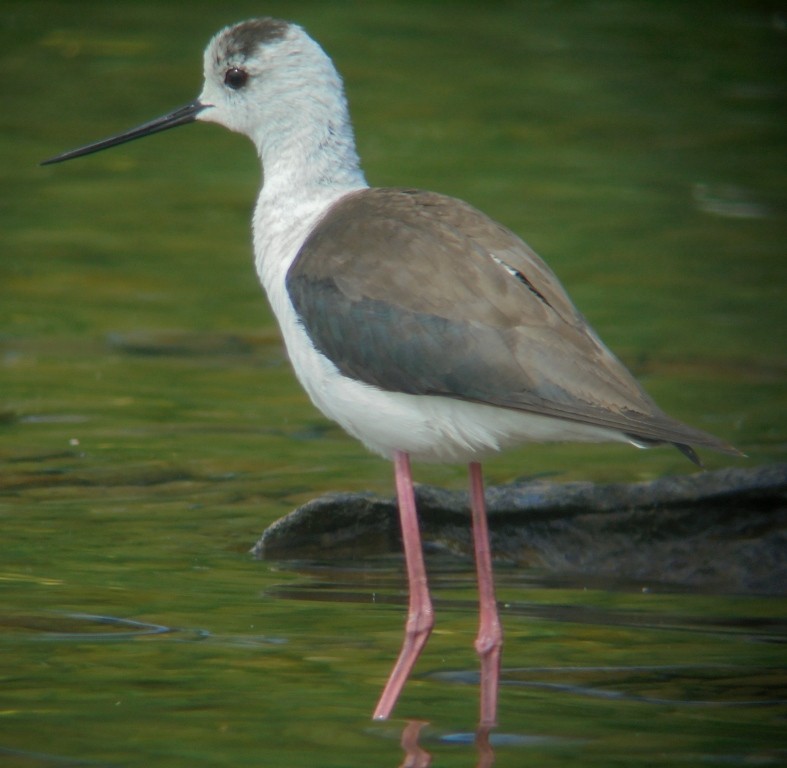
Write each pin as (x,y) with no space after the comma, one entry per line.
(150,427)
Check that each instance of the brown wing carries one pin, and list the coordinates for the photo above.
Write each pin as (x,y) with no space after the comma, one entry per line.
(420,293)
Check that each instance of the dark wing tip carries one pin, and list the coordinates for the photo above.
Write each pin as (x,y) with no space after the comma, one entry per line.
(689,453)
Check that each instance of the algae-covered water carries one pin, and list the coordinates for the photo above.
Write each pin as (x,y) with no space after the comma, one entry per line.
(150,427)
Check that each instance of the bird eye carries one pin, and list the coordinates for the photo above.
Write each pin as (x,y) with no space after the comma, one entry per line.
(236,78)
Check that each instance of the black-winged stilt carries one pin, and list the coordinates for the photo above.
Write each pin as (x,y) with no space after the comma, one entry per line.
(420,325)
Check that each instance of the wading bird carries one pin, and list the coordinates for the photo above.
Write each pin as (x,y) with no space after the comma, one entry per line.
(423,327)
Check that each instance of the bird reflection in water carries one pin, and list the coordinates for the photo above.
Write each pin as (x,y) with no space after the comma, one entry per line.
(415,756)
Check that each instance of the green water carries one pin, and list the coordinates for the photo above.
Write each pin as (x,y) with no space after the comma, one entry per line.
(150,427)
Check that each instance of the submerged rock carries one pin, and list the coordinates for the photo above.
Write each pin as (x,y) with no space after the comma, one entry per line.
(721,530)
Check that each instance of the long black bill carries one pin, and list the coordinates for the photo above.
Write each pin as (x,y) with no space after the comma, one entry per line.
(180,116)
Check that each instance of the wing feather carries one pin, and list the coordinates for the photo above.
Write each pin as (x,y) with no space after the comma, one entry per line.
(420,293)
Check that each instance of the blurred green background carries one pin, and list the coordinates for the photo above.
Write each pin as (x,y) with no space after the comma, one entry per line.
(150,427)
(639,147)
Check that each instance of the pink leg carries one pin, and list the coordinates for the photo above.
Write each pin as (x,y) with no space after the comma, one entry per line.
(489,642)
(420,618)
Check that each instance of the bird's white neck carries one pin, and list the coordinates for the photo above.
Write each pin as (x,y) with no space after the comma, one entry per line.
(306,168)
(306,144)
(311,157)
(305,140)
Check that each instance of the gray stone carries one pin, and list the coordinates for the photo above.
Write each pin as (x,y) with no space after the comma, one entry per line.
(722,530)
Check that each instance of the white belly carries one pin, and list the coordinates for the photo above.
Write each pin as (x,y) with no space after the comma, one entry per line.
(430,428)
